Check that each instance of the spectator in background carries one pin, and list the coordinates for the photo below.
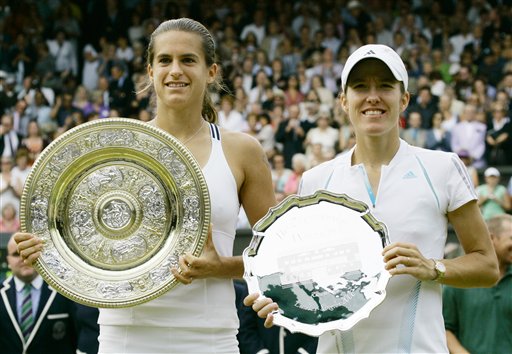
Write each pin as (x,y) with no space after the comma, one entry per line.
(7,191)
(292,92)
(90,69)
(468,162)
(63,108)
(272,39)
(229,118)
(492,196)
(10,140)
(121,89)
(257,27)
(34,142)
(469,134)
(41,111)
(22,57)
(21,117)
(66,62)
(20,171)
(265,134)
(299,166)
(426,104)
(48,323)
(291,133)
(415,134)
(466,310)
(280,175)
(324,135)
(499,137)
(9,221)
(438,138)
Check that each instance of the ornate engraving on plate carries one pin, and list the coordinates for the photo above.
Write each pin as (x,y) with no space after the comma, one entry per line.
(115,202)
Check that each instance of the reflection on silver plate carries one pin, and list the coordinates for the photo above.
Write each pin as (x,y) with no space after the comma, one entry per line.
(319,258)
(116,202)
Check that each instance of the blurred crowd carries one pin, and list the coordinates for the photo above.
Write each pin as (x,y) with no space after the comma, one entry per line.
(66,62)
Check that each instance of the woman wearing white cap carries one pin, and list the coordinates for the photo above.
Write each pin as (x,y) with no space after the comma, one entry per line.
(492,196)
(416,193)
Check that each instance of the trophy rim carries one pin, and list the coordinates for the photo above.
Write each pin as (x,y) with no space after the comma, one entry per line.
(173,243)
(294,203)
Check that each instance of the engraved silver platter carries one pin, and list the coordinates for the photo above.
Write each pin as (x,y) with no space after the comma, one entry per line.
(319,258)
(116,202)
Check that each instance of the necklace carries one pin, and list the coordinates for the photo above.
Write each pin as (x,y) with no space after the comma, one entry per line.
(193,135)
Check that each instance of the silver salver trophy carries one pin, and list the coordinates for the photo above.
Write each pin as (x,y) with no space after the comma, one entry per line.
(116,202)
(319,257)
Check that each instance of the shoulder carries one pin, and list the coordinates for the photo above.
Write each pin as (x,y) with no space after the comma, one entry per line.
(317,177)
(432,156)
(233,140)
(242,149)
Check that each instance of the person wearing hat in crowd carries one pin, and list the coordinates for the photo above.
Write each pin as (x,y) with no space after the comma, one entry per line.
(415,192)
(492,196)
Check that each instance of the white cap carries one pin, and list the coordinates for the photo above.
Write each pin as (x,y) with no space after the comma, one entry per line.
(378,51)
(492,171)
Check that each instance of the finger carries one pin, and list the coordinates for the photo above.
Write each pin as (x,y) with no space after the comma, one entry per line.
(267,310)
(403,261)
(269,321)
(181,277)
(22,236)
(189,260)
(32,258)
(260,304)
(185,265)
(250,299)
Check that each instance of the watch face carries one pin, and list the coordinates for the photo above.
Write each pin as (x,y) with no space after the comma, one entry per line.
(440,267)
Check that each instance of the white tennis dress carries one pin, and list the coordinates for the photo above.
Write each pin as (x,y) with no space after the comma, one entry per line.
(196,318)
(416,191)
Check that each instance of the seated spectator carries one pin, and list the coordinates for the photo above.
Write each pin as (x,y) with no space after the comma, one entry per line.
(7,191)
(437,138)
(414,134)
(265,134)
(229,118)
(469,135)
(299,166)
(280,175)
(20,171)
(426,104)
(499,138)
(9,221)
(291,133)
(492,196)
(324,135)
(34,142)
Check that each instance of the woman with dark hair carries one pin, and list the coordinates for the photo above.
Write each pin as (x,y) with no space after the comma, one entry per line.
(200,317)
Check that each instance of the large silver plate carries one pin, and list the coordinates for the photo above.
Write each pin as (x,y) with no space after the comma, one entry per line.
(319,258)
(116,202)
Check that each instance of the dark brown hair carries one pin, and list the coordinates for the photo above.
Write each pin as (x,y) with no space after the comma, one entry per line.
(208,112)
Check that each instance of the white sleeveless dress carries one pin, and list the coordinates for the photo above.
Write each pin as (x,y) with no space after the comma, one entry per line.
(196,318)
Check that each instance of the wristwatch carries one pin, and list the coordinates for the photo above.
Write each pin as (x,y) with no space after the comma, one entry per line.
(440,269)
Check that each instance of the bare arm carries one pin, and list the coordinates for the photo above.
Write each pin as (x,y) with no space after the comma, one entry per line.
(454,345)
(249,165)
(478,267)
